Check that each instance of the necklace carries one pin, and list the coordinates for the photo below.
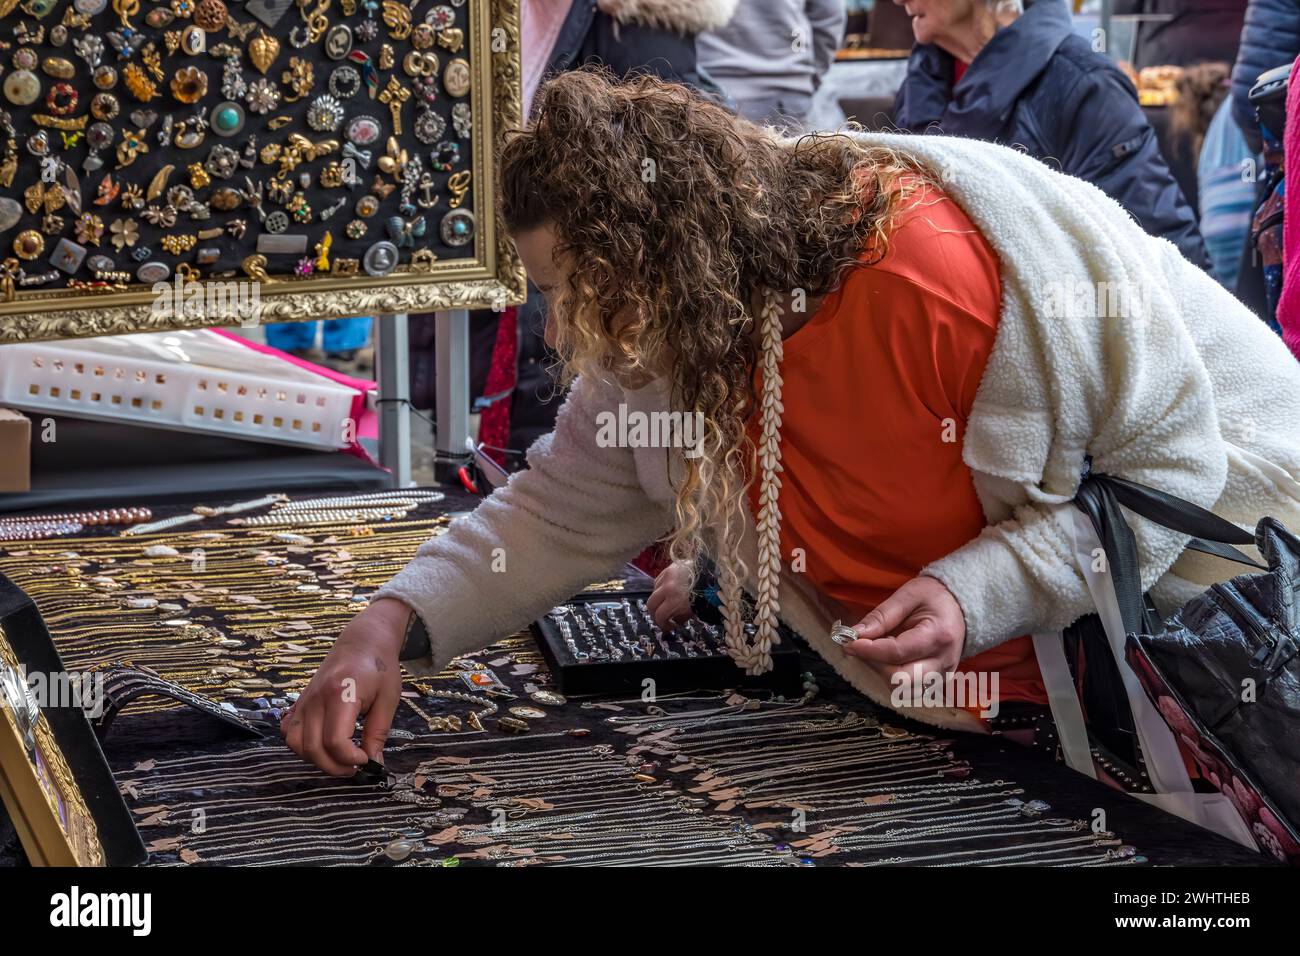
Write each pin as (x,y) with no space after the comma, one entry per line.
(202,514)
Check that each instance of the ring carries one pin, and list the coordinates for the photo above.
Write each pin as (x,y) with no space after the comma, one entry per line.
(842,635)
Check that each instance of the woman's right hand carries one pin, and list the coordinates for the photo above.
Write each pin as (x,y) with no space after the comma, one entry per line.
(670,602)
(360,675)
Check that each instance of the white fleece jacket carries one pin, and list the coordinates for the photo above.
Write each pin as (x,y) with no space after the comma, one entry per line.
(1187,392)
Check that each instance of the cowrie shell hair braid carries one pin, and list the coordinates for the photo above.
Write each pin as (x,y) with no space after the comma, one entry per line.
(755,654)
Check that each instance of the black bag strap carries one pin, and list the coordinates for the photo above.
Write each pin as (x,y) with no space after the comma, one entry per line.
(1100,497)
(1096,499)
(1210,533)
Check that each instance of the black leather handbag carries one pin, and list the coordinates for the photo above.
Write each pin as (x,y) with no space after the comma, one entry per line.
(1224,671)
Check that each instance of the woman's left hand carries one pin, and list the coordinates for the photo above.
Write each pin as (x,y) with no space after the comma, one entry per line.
(917,629)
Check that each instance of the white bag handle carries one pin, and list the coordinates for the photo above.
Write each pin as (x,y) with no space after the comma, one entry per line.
(1164,760)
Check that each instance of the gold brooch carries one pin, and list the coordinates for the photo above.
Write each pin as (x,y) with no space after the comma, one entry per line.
(331,175)
(176,244)
(152,60)
(60,122)
(141,87)
(189,84)
(397,17)
(29,244)
(262,51)
(39,195)
(299,78)
(125,232)
(458,186)
(89,228)
(132,145)
(255,268)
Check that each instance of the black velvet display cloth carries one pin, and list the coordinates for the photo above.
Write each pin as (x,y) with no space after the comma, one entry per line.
(696,779)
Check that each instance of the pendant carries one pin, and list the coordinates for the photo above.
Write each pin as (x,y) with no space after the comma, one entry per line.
(262,50)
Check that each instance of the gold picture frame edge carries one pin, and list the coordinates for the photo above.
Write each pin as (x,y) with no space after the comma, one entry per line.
(40,832)
(502,283)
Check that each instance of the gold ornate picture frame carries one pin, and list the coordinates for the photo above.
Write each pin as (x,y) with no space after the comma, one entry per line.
(55,782)
(492,277)
(36,785)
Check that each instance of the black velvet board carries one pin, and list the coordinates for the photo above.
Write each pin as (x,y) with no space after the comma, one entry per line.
(141,171)
(266,807)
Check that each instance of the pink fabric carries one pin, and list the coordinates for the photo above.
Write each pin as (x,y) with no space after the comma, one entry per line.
(367,421)
(539,25)
(1288,305)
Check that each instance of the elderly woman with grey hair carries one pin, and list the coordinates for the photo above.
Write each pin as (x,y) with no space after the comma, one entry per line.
(1013,72)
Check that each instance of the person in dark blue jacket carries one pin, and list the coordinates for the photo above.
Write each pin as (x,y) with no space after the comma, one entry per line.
(983,69)
(1270,37)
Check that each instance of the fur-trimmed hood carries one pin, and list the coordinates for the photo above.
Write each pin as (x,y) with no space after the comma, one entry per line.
(680,16)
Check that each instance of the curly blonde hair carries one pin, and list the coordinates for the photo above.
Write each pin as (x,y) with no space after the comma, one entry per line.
(679,221)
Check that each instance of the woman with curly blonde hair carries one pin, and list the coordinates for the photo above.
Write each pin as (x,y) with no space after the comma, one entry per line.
(902,351)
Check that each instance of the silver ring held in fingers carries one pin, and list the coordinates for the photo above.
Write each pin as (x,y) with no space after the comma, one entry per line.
(842,635)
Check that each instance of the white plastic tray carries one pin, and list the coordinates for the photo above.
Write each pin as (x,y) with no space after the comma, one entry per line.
(176,380)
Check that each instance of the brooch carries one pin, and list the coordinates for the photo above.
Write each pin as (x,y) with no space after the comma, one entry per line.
(189,85)
(325,114)
(140,86)
(299,78)
(132,145)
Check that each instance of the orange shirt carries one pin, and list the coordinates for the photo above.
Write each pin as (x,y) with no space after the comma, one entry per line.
(878,385)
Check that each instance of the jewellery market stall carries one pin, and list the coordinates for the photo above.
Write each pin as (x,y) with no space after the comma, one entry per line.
(339,155)
(200,627)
